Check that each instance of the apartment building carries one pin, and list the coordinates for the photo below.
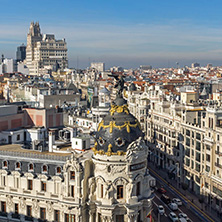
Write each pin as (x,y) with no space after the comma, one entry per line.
(185,138)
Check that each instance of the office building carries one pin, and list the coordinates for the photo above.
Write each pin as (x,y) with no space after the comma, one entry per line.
(44,51)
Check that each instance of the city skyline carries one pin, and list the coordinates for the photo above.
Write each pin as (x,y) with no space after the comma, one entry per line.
(128,35)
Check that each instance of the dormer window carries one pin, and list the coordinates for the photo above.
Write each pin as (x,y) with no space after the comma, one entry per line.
(31,167)
(5,164)
(58,170)
(44,169)
(18,165)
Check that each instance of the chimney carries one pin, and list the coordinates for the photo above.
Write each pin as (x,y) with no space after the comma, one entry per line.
(51,140)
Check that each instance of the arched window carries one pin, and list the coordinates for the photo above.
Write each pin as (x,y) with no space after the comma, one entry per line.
(17,165)
(72,175)
(58,170)
(44,169)
(5,164)
(31,167)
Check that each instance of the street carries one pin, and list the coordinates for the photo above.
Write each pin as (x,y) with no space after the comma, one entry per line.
(192,211)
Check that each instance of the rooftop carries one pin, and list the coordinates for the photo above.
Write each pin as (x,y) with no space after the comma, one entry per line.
(17,150)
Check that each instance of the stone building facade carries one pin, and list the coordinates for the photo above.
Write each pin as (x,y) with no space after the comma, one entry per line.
(44,51)
(108,183)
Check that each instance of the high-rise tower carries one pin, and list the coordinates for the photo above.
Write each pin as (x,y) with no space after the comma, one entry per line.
(44,50)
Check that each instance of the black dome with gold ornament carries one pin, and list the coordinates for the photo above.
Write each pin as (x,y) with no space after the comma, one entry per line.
(117,130)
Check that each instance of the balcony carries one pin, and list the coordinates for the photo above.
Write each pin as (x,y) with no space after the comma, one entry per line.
(27,218)
(16,216)
(3,214)
(218,165)
(218,152)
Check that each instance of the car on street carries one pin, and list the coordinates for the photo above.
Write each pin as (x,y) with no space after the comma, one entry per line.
(183,215)
(173,217)
(177,201)
(160,210)
(173,206)
(182,220)
(165,199)
(161,190)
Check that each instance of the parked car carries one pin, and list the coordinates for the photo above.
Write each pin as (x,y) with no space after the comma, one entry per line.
(165,199)
(161,190)
(173,206)
(177,201)
(182,220)
(183,215)
(161,210)
(173,217)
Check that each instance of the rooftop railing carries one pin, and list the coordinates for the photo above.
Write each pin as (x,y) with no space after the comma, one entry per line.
(34,155)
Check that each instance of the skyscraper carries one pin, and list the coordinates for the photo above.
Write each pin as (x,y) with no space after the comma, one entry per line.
(44,50)
(21,53)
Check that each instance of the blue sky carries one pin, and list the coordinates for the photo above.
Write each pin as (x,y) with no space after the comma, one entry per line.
(125,33)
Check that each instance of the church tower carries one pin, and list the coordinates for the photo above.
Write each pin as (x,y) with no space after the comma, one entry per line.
(120,188)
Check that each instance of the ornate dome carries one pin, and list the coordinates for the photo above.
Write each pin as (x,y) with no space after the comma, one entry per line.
(117,130)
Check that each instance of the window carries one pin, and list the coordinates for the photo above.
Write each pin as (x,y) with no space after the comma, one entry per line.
(42,213)
(5,164)
(70,218)
(187,141)
(72,191)
(99,217)
(197,168)
(197,156)
(3,206)
(44,169)
(31,167)
(187,152)
(198,136)
(29,211)
(207,168)
(119,191)
(43,185)
(119,218)
(16,208)
(208,147)
(17,165)
(56,215)
(18,137)
(3,181)
(29,184)
(139,216)
(72,175)
(58,170)
(101,191)
(138,189)
(188,132)
(218,137)
(208,157)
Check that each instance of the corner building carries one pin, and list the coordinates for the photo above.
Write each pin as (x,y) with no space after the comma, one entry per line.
(109,183)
